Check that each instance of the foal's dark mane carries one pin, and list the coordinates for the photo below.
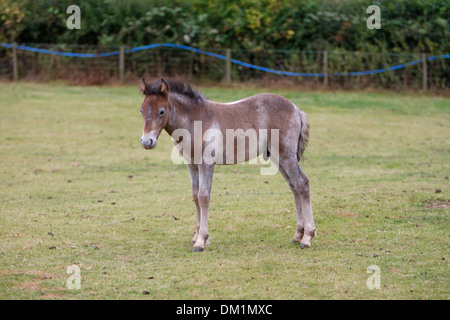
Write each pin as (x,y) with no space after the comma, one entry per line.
(175,86)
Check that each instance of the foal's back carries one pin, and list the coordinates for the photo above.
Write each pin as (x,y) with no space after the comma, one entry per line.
(260,111)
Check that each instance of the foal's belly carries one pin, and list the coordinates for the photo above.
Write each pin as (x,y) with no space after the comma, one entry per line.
(235,145)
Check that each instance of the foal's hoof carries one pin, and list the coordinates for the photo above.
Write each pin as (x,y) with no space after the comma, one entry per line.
(192,243)
(198,249)
(304,245)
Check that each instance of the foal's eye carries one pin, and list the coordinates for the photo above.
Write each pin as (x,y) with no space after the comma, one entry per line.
(161,111)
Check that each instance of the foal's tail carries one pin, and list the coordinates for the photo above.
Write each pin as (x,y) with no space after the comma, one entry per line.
(304,134)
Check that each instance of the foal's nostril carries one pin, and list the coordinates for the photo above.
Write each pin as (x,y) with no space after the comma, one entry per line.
(148,143)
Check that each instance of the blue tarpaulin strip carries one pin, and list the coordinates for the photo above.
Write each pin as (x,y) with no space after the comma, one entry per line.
(219,56)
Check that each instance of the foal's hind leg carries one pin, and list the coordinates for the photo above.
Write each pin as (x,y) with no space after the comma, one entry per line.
(299,184)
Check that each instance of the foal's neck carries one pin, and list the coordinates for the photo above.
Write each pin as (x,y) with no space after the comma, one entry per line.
(181,112)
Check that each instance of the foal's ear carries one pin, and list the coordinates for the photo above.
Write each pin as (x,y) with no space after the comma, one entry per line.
(164,88)
(143,86)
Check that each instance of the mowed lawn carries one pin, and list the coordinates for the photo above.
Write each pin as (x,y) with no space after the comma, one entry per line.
(77,188)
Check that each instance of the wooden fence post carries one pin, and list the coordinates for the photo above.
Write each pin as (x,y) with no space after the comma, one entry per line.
(325,70)
(191,65)
(228,66)
(121,63)
(424,72)
(14,62)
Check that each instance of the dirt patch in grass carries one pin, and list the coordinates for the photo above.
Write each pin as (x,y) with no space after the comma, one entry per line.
(29,285)
(35,282)
(347,214)
(437,204)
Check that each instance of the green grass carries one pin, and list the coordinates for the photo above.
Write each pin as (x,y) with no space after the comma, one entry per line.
(76,187)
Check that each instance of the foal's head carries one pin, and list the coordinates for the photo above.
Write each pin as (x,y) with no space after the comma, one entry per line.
(154,111)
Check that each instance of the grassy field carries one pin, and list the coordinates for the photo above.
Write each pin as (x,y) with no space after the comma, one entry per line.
(76,187)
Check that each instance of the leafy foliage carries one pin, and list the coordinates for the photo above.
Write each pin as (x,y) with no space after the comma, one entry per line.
(11,17)
(406,25)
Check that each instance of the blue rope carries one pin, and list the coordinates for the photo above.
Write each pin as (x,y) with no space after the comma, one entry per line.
(219,56)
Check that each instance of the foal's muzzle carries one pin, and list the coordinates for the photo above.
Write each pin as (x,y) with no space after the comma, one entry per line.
(148,143)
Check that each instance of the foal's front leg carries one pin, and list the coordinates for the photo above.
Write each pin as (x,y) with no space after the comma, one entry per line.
(193,174)
(205,174)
